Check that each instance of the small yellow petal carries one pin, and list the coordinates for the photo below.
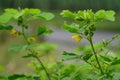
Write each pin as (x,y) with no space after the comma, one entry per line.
(77,37)
(31,39)
(15,32)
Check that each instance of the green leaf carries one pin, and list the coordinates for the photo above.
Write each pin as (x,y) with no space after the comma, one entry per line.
(29,55)
(80,16)
(31,11)
(86,15)
(48,31)
(26,12)
(15,47)
(106,58)
(46,47)
(116,36)
(104,43)
(116,62)
(16,76)
(79,48)
(3,77)
(100,15)
(90,14)
(109,15)
(21,76)
(87,56)
(1,68)
(45,15)
(41,30)
(6,17)
(73,28)
(1,27)
(42,15)
(9,27)
(105,15)
(67,13)
(21,13)
(69,56)
(12,11)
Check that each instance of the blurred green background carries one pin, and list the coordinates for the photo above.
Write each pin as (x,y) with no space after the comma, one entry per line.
(56,6)
(8,59)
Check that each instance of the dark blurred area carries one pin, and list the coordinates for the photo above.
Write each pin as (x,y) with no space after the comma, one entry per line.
(63,4)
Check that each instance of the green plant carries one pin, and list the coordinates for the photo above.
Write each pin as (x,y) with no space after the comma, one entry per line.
(84,27)
(92,62)
(22,17)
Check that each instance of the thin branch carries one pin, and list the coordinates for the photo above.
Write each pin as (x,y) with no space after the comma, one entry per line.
(96,57)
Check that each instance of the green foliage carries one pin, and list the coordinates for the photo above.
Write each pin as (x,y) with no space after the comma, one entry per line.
(14,14)
(29,55)
(22,76)
(67,13)
(97,56)
(115,62)
(69,56)
(89,15)
(93,62)
(107,15)
(15,47)
(71,28)
(4,77)
(6,17)
(22,18)
(46,16)
(1,68)
(86,20)
(41,30)
(46,47)
(60,71)
(7,27)
(86,57)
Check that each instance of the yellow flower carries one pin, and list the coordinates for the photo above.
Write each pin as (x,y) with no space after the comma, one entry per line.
(77,37)
(31,39)
(15,32)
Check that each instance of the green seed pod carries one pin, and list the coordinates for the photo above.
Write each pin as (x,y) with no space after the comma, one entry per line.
(92,28)
(20,20)
(91,34)
(86,33)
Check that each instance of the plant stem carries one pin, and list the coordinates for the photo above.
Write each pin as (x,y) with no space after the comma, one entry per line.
(96,57)
(43,67)
(23,33)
